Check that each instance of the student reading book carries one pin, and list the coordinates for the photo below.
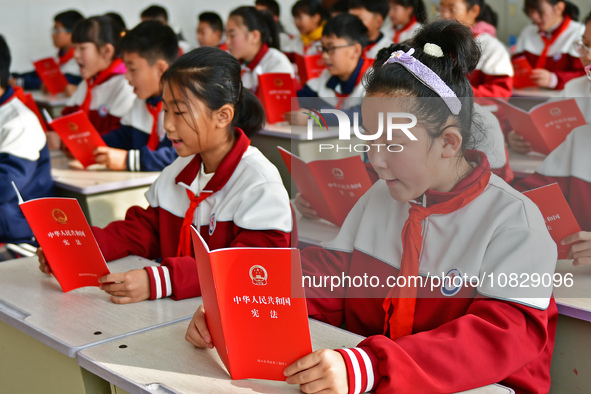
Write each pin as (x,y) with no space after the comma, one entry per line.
(309,17)
(104,94)
(61,35)
(372,13)
(220,184)
(140,144)
(24,158)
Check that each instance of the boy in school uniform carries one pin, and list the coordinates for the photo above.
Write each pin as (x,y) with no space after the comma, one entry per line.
(24,158)
(62,39)
(140,144)
(372,13)
(159,13)
(210,31)
(339,85)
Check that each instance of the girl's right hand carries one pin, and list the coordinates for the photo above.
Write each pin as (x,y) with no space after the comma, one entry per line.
(43,266)
(197,332)
(304,207)
(518,144)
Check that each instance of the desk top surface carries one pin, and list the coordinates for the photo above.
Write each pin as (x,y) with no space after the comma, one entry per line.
(314,231)
(535,92)
(53,100)
(525,163)
(574,300)
(161,361)
(35,304)
(67,176)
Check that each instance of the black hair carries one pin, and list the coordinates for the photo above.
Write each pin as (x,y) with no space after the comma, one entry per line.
(486,13)
(339,7)
(68,18)
(309,7)
(213,76)
(212,19)
(5,60)
(380,7)
(262,21)
(346,26)
(155,12)
(100,30)
(118,19)
(570,9)
(152,40)
(460,57)
(270,5)
(419,9)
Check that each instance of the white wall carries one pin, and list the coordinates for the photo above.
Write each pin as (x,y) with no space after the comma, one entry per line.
(26,24)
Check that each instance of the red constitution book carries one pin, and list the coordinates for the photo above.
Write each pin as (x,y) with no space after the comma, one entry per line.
(546,125)
(79,136)
(255,308)
(558,216)
(522,72)
(332,187)
(309,67)
(51,75)
(275,92)
(67,241)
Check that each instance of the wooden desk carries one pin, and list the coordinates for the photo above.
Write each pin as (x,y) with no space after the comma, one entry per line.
(42,328)
(524,165)
(176,366)
(571,366)
(104,195)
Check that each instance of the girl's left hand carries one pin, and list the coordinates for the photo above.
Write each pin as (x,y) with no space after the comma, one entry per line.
(323,370)
(127,287)
(541,77)
(581,251)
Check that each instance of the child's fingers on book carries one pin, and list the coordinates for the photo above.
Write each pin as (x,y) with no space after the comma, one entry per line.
(122,300)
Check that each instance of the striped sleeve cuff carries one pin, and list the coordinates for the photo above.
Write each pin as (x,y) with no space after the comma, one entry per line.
(553,81)
(160,285)
(360,370)
(133,160)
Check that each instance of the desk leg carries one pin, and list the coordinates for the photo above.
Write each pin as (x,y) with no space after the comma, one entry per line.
(29,366)
(571,370)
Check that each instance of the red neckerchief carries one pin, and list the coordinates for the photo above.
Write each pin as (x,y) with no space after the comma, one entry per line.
(400,302)
(223,46)
(549,41)
(219,179)
(66,57)
(367,63)
(154,139)
(404,28)
(97,80)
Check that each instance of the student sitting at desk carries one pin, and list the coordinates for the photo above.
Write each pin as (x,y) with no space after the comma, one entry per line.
(62,39)
(547,44)
(407,16)
(437,208)
(252,39)
(372,13)
(570,166)
(140,144)
(24,158)
(493,76)
(309,17)
(339,85)
(227,189)
(104,95)
(210,31)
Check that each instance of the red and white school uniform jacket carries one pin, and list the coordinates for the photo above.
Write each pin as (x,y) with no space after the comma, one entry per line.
(110,101)
(296,46)
(462,337)
(493,76)
(580,90)
(268,60)
(250,210)
(405,33)
(562,58)
(570,166)
(372,48)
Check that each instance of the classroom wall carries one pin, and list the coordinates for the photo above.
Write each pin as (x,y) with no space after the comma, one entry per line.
(26,24)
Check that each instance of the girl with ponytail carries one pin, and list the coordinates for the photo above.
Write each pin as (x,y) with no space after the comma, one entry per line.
(219,183)
(252,38)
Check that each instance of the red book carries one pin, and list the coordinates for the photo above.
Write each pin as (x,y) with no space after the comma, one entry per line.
(51,75)
(275,92)
(332,187)
(255,308)
(79,136)
(557,214)
(67,241)
(309,67)
(546,125)
(522,72)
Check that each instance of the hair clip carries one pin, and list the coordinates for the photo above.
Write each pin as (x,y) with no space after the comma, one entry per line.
(433,50)
(427,76)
